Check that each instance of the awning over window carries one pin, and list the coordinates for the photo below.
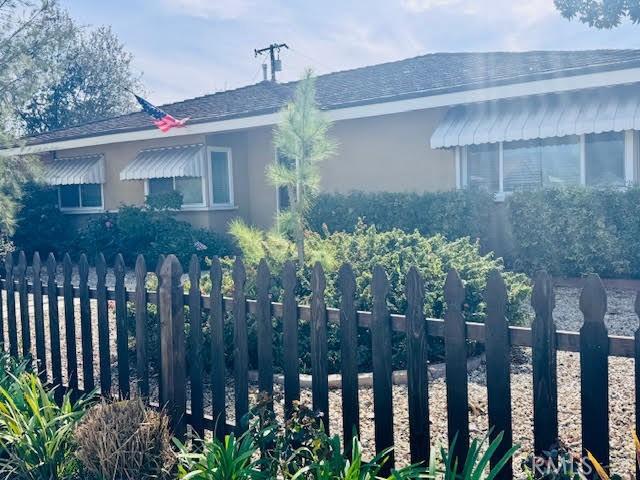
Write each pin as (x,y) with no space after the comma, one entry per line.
(75,170)
(180,161)
(558,115)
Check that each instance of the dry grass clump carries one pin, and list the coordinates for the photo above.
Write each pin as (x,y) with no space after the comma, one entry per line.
(125,441)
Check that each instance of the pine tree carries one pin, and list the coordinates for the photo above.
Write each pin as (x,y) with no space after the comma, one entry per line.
(302,142)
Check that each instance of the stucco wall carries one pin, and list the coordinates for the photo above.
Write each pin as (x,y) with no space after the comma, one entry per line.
(386,153)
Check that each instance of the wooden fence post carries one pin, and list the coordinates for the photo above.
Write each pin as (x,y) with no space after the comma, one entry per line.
(195,343)
(290,337)
(594,370)
(456,368)
(85,326)
(142,364)
(545,383)
(23,298)
(70,325)
(417,380)
(218,368)
(498,353)
(241,346)
(382,368)
(12,326)
(122,332)
(319,359)
(54,328)
(264,331)
(158,269)
(104,345)
(38,314)
(172,345)
(349,356)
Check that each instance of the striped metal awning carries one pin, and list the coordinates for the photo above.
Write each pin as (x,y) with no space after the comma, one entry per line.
(179,161)
(555,115)
(75,170)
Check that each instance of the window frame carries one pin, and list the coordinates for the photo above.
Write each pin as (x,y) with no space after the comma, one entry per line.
(80,208)
(631,163)
(231,203)
(185,206)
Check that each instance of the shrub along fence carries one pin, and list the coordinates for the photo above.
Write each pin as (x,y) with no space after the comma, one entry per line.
(176,371)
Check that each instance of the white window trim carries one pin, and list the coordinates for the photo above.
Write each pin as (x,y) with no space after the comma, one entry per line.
(631,162)
(185,206)
(81,209)
(230,205)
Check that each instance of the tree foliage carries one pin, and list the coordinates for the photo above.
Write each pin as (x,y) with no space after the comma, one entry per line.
(301,140)
(602,14)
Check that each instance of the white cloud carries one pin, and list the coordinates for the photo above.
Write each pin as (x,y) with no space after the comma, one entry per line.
(418,6)
(210,9)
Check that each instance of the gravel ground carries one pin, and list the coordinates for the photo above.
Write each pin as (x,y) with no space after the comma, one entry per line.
(620,319)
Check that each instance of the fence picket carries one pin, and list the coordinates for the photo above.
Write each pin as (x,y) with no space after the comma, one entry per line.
(290,338)
(456,367)
(104,346)
(594,370)
(417,381)
(54,327)
(122,332)
(498,354)
(158,269)
(264,331)
(544,360)
(637,374)
(349,355)
(70,325)
(38,314)
(195,339)
(319,359)
(218,368)
(142,364)
(85,325)
(382,369)
(12,326)
(172,345)
(241,348)
(23,298)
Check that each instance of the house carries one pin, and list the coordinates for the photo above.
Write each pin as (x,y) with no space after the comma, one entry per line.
(498,121)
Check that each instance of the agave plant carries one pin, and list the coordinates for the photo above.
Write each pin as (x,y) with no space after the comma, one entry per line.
(600,469)
(36,434)
(217,460)
(476,463)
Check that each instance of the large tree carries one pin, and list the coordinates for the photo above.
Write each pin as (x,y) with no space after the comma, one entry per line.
(91,79)
(600,13)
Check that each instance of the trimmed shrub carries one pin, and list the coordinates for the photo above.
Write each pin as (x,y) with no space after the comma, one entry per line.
(150,232)
(41,226)
(125,440)
(453,214)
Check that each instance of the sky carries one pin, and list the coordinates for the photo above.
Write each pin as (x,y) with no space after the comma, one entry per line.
(188,48)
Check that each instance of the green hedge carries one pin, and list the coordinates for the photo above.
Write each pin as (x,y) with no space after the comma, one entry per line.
(569,231)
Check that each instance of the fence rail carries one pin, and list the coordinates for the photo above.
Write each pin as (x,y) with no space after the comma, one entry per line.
(592,342)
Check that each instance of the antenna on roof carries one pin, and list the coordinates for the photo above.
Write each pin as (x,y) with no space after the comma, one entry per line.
(276,63)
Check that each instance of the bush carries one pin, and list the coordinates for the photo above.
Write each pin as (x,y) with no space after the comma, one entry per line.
(453,214)
(41,226)
(36,435)
(124,440)
(150,232)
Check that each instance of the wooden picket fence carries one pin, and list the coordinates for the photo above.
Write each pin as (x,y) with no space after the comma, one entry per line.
(593,343)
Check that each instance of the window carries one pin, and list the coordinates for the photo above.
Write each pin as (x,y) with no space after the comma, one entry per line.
(221,176)
(189,187)
(604,159)
(483,167)
(541,163)
(76,197)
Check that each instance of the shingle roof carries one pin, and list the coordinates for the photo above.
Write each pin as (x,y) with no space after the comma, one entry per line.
(414,77)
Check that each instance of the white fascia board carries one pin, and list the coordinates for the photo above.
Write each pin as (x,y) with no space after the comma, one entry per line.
(536,87)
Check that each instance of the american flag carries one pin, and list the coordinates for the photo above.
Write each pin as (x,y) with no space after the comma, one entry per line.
(163,120)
